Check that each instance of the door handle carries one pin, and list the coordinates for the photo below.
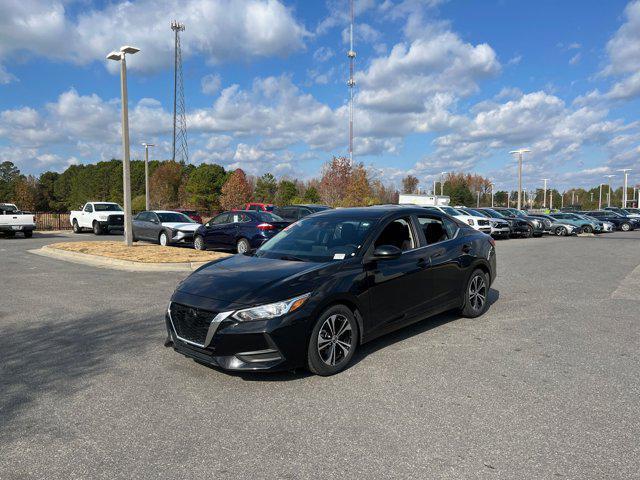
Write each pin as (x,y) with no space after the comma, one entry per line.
(466,248)
(424,262)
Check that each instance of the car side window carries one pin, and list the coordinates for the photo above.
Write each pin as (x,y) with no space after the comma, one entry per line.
(254,207)
(236,217)
(88,208)
(397,233)
(303,212)
(435,229)
(222,218)
(143,217)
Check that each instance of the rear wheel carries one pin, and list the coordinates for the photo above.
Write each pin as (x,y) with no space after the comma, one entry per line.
(333,341)
(243,245)
(97,229)
(198,243)
(28,233)
(476,295)
(587,229)
(76,227)
(528,232)
(625,227)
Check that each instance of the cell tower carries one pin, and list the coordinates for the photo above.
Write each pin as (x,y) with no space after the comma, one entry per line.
(351,83)
(179,115)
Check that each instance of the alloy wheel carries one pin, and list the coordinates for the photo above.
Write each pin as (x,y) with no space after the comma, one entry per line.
(198,243)
(335,339)
(243,246)
(561,231)
(477,292)
(625,227)
(163,239)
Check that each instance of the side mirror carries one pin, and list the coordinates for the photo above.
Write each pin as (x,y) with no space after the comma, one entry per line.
(387,252)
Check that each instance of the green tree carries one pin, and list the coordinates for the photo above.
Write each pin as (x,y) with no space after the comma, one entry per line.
(287,191)
(204,186)
(459,193)
(9,174)
(311,195)
(410,184)
(266,188)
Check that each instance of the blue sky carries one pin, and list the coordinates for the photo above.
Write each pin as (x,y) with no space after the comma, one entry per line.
(441,85)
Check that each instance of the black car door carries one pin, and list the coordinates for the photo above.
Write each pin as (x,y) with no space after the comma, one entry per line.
(398,288)
(444,251)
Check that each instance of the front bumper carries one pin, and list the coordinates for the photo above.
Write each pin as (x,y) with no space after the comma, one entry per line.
(179,236)
(275,344)
(500,232)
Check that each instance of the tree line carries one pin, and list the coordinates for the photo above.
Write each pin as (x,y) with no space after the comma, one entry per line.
(209,188)
(205,187)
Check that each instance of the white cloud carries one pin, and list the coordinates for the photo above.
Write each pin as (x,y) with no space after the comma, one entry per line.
(575,59)
(210,84)
(622,48)
(323,54)
(258,28)
(5,76)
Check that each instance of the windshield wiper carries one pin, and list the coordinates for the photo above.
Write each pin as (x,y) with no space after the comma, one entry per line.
(292,258)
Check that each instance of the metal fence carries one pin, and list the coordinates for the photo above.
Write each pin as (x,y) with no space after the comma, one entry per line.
(52,221)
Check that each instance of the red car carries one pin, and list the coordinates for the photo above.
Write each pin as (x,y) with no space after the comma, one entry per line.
(192,214)
(259,207)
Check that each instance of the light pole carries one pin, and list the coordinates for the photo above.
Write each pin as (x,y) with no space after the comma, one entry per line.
(544,194)
(551,199)
(609,185)
(147,200)
(519,153)
(478,201)
(492,195)
(600,198)
(434,187)
(442,174)
(624,192)
(126,167)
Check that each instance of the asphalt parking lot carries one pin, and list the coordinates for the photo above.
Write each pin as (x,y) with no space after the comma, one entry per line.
(545,385)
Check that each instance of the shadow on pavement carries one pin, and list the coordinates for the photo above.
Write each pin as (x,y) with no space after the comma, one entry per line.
(60,357)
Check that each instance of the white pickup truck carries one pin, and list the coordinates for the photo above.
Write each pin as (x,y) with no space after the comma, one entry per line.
(100,217)
(13,220)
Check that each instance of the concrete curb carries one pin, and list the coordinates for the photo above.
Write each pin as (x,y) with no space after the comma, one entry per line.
(114,263)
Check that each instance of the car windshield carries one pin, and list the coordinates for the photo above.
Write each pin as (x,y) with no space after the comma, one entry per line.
(493,213)
(174,217)
(518,213)
(269,217)
(319,239)
(451,211)
(475,213)
(8,209)
(107,207)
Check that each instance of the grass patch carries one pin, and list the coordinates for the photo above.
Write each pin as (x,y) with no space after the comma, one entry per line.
(143,253)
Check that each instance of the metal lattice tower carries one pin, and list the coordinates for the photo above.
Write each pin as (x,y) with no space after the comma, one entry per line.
(351,83)
(179,114)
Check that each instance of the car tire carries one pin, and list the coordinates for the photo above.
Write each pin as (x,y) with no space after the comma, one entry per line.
(587,229)
(561,231)
(97,229)
(243,246)
(28,233)
(198,243)
(625,227)
(529,232)
(163,239)
(76,227)
(333,341)
(476,295)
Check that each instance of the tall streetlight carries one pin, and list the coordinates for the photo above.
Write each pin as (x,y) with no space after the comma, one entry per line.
(492,195)
(544,194)
(609,185)
(624,192)
(442,174)
(600,198)
(551,199)
(520,153)
(147,199)
(126,167)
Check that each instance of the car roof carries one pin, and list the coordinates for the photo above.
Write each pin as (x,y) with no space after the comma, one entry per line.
(164,211)
(372,212)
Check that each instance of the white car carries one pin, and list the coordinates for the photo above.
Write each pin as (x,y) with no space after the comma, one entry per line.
(98,216)
(499,228)
(479,223)
(13,220)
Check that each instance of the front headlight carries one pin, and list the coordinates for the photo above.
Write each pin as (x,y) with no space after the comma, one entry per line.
(271,310)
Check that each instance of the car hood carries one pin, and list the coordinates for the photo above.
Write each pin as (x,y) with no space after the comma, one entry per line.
(186,227)
(251,280)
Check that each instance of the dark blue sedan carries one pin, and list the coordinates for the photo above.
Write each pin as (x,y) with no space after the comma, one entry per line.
(241,230)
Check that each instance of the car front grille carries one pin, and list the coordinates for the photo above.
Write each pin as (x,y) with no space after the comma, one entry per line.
(116,219)
(191,324)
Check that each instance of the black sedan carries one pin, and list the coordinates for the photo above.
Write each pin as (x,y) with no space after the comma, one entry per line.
(240,230)
(328,283)
(621,222)
(164,227)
